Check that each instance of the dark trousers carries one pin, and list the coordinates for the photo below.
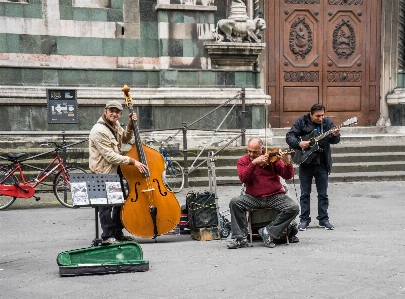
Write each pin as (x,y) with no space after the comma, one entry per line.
(320,173)
(238,206)
(110,221)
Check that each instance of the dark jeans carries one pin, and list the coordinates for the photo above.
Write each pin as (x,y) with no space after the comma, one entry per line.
(110,220)
(238,206)
(306,174)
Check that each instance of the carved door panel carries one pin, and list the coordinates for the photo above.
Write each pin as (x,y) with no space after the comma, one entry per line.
(323,51)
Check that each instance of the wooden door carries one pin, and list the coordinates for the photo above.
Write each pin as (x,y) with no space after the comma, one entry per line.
(323,51)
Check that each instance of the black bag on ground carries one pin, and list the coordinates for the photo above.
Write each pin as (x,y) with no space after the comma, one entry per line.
(202,209)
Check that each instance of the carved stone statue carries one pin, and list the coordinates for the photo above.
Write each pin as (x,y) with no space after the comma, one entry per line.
(235,31)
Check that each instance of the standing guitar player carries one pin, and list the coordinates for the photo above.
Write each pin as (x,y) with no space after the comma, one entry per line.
(319,163)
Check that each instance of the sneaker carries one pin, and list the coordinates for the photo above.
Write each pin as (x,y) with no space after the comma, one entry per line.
(124,238)
(238,243)
(109,241)
(326,224)
(267,239)
(303,225)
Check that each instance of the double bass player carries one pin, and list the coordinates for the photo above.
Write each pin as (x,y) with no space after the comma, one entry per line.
(105,141)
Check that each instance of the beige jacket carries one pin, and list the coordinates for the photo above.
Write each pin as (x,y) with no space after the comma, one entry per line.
(104,149)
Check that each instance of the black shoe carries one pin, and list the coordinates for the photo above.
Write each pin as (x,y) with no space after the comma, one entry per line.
(238,243)
(303,225)
(326,224)
(293,239)
(267,239)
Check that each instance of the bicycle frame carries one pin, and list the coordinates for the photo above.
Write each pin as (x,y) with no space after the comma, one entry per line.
(24,188)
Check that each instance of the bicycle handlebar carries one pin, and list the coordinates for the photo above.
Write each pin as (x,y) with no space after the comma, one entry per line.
(62,145)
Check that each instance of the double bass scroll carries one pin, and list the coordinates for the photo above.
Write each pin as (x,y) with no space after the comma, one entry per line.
(150,208)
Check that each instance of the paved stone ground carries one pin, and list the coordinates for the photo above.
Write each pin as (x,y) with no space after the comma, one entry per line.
(362,258)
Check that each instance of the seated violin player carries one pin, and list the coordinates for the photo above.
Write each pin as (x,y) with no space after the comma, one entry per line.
(261,177)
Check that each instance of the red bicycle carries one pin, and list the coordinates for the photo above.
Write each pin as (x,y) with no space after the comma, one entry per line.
(12,188)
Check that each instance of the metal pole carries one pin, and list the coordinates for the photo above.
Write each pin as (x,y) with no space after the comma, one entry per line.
(185,167)
(243,115)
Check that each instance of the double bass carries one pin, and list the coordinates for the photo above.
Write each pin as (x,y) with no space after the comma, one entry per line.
(150,209)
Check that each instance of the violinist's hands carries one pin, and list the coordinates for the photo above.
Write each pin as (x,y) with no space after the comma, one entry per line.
(335,132)
(261,160)
(285,157)
(141,167)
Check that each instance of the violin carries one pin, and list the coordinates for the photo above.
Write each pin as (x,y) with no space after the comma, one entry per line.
(150,209)
(274,155)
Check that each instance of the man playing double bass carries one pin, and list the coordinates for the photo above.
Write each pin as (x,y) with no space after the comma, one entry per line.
(105,141)
(263,190)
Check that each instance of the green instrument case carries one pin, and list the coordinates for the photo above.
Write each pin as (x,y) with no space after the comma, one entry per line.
(106,259)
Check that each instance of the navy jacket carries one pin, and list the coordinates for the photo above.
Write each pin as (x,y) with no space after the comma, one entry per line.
(304,126)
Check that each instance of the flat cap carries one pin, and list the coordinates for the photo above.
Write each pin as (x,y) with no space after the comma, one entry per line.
(113,104)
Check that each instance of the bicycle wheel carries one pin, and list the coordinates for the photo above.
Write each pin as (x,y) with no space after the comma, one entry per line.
(174,176)
(61,186)
(6,200)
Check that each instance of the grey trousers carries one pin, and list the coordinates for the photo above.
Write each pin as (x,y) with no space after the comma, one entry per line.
(238,206)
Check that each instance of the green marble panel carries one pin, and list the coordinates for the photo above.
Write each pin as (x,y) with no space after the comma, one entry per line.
(66,12)
(177,17)
(11,76)
(35,2)
(149,30)
(207,78)
(3,42)
(81,14)
(153,79)
(99,15)
(68,45)
(69,77)
(32,76)
(122,77)
(117,4)
(168,78)
(115,15)
(190,48)
(50,77)
(65,3)
(140,78)
(240,79)
(132,47)
(113,47)
(164,51)
(33,11)
(162,16)
(2,9)
(103,78)
(91,46)
(14,10)
(188,79)
(13,43)
(189,20)
(30,44)
(151,48)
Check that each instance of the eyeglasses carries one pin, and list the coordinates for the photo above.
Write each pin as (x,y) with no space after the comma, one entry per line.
(254,152)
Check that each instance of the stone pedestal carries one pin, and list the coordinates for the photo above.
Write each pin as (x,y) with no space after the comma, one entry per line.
(235,56)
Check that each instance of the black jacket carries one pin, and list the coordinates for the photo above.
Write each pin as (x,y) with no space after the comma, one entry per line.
(304,126)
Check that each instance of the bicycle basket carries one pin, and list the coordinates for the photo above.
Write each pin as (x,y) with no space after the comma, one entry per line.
(173,149)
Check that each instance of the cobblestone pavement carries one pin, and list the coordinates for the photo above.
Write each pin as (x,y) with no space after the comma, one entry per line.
(362,258)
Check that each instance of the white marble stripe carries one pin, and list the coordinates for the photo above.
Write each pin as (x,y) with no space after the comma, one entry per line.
(58,27)
(98,62)
(79,62)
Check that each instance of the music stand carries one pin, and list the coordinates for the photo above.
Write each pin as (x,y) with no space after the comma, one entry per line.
(96,189)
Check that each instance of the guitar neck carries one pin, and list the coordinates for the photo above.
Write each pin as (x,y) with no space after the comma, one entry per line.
(323,135)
